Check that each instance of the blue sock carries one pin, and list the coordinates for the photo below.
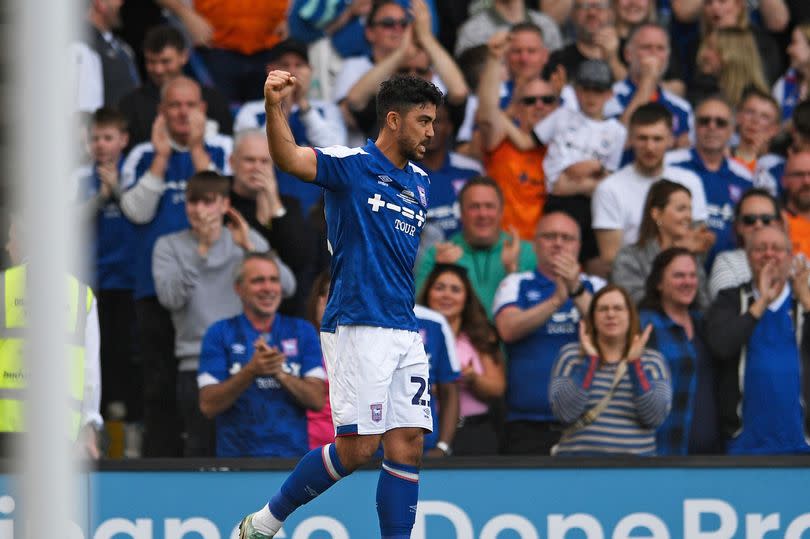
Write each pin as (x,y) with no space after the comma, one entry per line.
(316,471)
(397,495)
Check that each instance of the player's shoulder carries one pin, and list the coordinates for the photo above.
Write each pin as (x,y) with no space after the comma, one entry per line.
(458,160)
(416,169)
(342,152)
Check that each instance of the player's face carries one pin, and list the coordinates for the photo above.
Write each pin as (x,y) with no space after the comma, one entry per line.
(416,131)
(679,282)
(481,213)
(180,102)
(447,295)
(650,143)
(251,164)
(107,143)
(165,65)
(714,126)
(611,316)
(260,288)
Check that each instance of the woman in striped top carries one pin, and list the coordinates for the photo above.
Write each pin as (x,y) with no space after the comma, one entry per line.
(610,389)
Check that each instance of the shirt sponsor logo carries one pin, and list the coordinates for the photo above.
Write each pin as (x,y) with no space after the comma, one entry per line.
(289,347)
(376,202)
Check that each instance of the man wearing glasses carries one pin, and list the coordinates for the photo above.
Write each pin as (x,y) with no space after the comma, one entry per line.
(724,179)
(796,185)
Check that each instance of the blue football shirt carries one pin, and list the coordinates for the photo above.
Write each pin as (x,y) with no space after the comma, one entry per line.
(265,421)
(375,213)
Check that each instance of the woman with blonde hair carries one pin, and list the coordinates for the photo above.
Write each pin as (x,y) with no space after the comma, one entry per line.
(728,61)
(792,88)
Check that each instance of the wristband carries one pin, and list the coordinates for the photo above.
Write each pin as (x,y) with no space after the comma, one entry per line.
(444,447)
(578,291)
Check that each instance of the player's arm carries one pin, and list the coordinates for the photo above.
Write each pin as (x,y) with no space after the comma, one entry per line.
(287,155)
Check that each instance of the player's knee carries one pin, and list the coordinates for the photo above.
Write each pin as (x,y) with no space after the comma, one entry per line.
(404,446)
(355,451)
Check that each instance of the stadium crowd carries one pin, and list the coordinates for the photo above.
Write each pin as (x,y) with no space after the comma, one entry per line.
(615,254)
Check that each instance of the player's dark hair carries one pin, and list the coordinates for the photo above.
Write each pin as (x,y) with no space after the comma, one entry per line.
(474,321)
(651,113)
(162,36)
(485,181)
(401,93)
(207,182)
(109,117)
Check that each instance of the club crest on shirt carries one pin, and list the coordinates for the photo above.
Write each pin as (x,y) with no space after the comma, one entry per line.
(376,412)
(289,347)
(422,195)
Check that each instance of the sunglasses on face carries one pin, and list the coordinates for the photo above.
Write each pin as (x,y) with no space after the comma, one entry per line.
(751,218)
(390,23)
(533,99)
(705,121)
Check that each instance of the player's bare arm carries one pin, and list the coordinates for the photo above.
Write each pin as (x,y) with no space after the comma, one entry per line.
(288,156)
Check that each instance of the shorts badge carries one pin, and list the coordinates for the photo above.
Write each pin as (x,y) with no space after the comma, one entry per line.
(376,412)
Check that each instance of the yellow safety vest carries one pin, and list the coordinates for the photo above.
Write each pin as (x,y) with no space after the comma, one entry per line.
(12,338)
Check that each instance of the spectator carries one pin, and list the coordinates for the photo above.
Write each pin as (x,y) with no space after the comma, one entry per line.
(536,313)
(420,54)
(260,371)
(724,179)
(448,171)
(511,156)
(796,184)
(757,209)
(99,193)
(757,126)
(448,290)
(592,21)
(277,217)
(618,201)
(104,65)
(154,175)
(627,15)
(758,335)
(583,148)
(722,14)
(727,63)
(234,39)
(488,253)
(192,269)
(792,87)
(667,222)
(320,428)
(479,28)
(647,54)
(670,306)
(437,338)
(166,54)
(609,388)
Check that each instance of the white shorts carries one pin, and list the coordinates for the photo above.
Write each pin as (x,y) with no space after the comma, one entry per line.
(378,379)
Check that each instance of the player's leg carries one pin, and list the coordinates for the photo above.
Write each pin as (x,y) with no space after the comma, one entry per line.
(353,387)
(408,418)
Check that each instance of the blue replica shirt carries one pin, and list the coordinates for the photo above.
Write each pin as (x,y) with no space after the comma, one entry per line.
(265,421)
(532,357)
(768,174)
(787,93)
(114,236)
(440,347)
(723,189)
(375,213)
(170,215)
(445,184)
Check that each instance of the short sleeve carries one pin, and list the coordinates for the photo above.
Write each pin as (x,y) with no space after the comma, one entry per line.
(337,165)
(606,208)
(507,293)
(213,355)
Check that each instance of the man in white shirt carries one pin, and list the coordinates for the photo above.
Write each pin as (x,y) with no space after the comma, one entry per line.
(618,201)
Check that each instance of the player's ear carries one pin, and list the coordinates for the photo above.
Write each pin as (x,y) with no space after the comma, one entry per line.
(393,120)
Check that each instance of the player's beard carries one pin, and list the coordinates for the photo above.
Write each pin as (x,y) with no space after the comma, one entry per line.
(412,151)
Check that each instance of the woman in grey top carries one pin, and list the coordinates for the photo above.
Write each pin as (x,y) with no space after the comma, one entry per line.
(666,222)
